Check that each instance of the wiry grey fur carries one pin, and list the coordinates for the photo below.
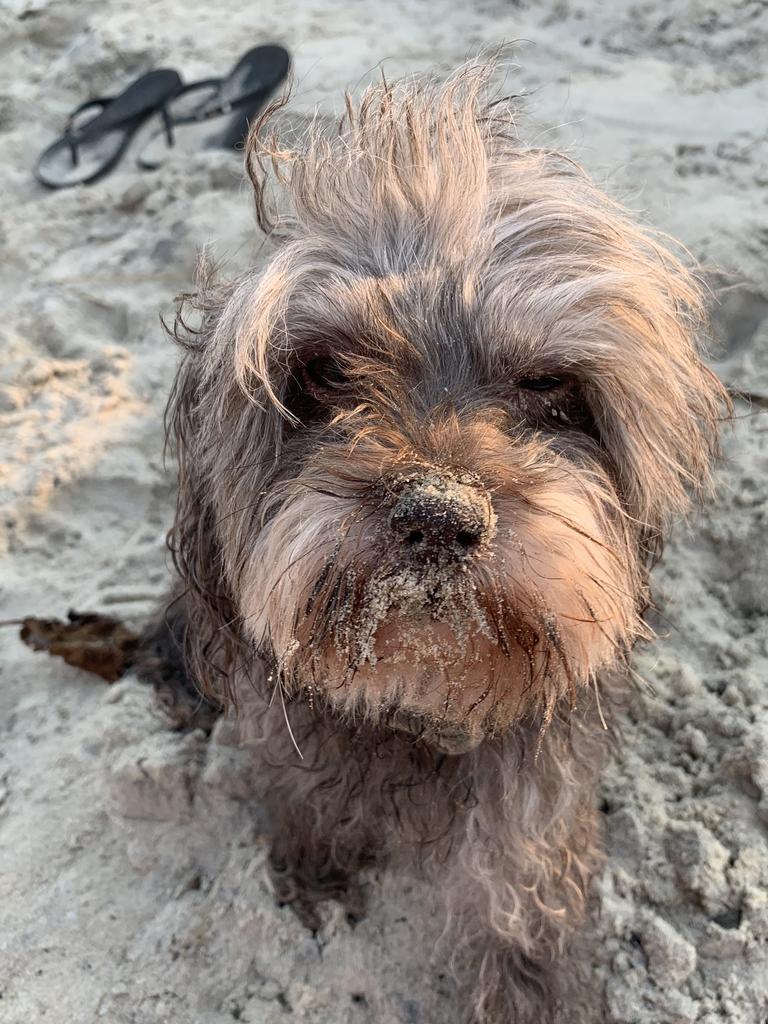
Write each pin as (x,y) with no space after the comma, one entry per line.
(436,713)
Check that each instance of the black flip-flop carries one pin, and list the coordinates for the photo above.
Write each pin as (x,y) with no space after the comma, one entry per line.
(232,102)
(91,147)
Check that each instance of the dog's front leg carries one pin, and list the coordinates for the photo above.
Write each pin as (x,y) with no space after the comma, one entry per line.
(513,956)
(319,841)
(517,897)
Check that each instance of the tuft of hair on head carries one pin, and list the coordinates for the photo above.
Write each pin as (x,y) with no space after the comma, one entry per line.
(416,150)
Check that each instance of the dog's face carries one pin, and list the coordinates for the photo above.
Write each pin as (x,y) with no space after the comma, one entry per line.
(442,538)
(429,453)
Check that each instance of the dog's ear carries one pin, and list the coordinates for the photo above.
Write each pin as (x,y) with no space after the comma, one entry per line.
(660,408)
(224,422)
(613,302)
(209,640)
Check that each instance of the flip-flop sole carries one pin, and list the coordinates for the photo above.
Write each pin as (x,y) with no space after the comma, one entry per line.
(259,72)
(189,135)
(55,168)
(98,151)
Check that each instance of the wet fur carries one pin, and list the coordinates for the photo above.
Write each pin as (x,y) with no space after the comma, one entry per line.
(442,262)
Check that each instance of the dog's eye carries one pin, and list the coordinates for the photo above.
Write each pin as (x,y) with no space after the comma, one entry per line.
(324,374)
(540,383)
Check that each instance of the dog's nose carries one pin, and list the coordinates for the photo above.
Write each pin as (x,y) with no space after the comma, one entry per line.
(437,513)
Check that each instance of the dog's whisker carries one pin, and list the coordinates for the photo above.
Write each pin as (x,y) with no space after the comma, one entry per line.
(287,722)
(596,689)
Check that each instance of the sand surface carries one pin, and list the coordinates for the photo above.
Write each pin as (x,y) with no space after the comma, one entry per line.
(132,882)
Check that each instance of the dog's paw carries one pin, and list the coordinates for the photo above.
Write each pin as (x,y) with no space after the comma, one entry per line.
(355,903)
(295,889)
(289,892)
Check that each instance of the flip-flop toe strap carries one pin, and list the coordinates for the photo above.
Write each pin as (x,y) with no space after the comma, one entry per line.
(219,109)
(167,124)
(74,136)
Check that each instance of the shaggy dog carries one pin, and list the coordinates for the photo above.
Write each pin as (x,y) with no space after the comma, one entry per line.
(427,458)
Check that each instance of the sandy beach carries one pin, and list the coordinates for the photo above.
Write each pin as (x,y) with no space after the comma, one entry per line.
(132,864)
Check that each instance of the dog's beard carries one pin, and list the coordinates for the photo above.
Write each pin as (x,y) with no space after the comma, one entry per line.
(450,650)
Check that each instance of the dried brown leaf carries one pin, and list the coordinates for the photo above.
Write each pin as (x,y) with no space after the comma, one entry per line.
(90,641)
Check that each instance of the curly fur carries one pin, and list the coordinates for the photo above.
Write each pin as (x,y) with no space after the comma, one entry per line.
(442,267)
